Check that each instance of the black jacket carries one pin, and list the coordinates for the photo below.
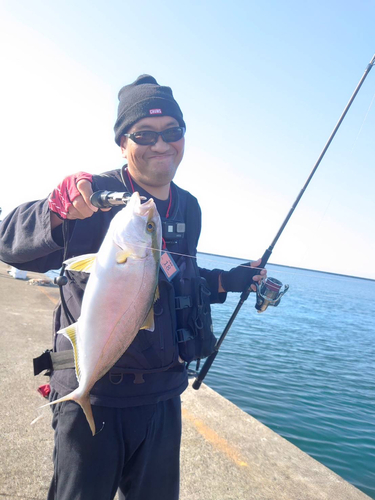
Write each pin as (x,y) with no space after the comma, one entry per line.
(149,371)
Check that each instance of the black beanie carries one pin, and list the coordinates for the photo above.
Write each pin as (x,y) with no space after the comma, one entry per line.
(141,99)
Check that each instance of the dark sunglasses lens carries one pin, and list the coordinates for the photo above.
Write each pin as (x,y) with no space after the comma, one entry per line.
(145,138)
(173,134)
(148,137)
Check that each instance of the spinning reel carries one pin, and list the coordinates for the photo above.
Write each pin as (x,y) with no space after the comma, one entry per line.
(269,293)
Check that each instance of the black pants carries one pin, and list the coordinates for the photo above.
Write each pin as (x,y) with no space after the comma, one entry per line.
(137,450)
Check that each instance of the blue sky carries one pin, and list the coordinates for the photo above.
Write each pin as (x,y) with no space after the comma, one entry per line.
(261,86)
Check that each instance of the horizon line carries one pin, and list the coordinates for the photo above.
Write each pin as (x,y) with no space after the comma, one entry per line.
(292,267)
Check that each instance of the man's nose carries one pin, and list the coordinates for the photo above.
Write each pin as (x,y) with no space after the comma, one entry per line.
(160,145)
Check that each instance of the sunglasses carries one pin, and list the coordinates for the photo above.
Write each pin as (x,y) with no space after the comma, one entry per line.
(150,138)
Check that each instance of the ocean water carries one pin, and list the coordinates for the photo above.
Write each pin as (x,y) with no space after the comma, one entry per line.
(306,368)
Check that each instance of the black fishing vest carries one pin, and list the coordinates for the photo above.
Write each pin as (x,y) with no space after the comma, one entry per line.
(182,314)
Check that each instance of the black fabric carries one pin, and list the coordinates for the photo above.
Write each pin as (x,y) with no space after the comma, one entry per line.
(196,339)
(144,98)
(195,336)
(239,278)
(130,452)
(42,362)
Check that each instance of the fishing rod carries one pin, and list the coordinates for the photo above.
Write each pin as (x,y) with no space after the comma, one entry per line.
(268,293)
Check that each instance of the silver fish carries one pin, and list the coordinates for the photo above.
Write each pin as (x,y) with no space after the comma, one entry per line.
(119,296)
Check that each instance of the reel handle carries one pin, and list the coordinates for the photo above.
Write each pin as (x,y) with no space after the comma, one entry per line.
(245,294)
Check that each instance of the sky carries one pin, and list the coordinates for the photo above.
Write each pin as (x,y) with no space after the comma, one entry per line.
(261,86)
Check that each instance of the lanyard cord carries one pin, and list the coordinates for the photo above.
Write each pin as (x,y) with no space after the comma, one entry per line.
(62,280)
(169,205)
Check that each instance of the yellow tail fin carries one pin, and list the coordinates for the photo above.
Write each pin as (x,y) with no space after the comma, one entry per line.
(84,401)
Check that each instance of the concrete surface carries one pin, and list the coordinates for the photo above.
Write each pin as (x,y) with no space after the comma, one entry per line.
(226,454)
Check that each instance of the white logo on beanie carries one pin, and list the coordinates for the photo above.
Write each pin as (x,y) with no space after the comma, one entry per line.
(155,111)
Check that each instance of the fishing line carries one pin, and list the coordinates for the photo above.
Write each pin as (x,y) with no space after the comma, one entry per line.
(199,257)
(103,424)
(313,234)
(286,271)
(37,419)
(361,127)
(332,197)
(262,296)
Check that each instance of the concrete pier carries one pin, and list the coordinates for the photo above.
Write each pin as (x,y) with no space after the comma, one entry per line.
(226,453)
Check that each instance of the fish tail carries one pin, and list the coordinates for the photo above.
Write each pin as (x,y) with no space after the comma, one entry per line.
(84,401)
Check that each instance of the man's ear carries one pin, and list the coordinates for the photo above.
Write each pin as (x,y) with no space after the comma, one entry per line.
(123,144)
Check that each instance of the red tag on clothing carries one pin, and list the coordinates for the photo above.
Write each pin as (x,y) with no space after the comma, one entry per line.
(44,390)
(168,265)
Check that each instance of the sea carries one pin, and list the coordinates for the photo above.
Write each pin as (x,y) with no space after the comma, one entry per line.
(306,368)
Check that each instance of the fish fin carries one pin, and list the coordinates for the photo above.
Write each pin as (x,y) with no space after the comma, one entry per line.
(85,404)
(122,256)
(149,323)
(83,263)
(70,332)
(84,401)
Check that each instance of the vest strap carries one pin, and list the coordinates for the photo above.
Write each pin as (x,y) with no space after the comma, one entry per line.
(183,335)
(183,301)
(50,360)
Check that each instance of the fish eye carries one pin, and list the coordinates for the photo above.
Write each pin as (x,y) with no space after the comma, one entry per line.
(150,227)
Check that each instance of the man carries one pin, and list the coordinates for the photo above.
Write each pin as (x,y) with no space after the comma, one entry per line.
(137,450)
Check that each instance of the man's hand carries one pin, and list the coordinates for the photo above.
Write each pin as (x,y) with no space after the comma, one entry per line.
(71,199)
(241,277)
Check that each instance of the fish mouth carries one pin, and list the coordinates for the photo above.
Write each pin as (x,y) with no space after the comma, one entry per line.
(151,210)
(146,209)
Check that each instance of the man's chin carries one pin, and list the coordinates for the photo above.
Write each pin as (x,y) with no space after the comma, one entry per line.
(165,170)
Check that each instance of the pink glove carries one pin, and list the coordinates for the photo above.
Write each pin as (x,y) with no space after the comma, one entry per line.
(62,197)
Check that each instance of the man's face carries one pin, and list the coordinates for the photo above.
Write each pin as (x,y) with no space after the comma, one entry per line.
(154,165)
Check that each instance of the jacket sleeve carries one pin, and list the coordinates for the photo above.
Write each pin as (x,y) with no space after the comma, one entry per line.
(26,239)
(212,278)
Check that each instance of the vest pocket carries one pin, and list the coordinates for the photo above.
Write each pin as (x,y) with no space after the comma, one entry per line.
(193,311)
(197,340)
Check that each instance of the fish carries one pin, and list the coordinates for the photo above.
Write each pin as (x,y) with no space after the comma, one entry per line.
(119,296)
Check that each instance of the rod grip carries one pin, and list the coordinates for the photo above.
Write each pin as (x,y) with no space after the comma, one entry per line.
(266,256)
(100,199)
(108,199)
(201,375)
